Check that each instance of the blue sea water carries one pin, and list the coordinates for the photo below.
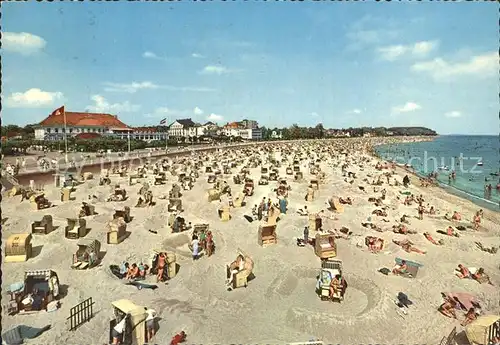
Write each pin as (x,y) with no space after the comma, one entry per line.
(460,153)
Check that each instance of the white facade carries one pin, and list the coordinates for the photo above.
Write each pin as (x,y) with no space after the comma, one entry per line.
(177,130)
(244,133)
(43,133)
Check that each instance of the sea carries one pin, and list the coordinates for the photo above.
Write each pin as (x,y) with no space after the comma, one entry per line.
(475,159)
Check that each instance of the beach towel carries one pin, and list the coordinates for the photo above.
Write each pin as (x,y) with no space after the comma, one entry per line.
(16,287)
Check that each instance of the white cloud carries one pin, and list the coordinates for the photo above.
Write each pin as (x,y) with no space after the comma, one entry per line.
(356,111)
(101,105)
(480,65)
(453,114)
(32,98)
(406,108)
(215,117)
(197,56)
(314,114)
(419,49)
(144,85)
(22,42)
(130,87)
(212,69)
(150,55)
(197,111)
(165,111)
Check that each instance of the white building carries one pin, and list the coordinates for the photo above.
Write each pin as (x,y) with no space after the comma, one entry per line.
(53,127)
(183,128)
(244,133)
(146,134)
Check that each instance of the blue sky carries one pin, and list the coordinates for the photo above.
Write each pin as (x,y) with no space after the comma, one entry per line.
(342,64)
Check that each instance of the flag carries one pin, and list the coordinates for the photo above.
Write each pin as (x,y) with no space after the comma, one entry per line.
(164,121)
(58,111)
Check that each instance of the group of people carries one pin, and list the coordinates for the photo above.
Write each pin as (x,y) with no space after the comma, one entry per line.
(451,305)
(202,240)
(134,271)
(478,275)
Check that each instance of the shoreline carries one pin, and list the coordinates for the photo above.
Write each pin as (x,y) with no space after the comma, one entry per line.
(448,189)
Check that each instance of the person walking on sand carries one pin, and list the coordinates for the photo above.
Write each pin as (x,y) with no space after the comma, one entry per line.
(420,211)
(150,324)
(195,243)
(477,221)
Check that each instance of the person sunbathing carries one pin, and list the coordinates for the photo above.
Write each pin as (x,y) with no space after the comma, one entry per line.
(404,219)
(408,247)
(347,201)
(400,269)
(402,229)
(375,244)
(341,233)
(481,277)
(432,240)
(456,216)
(235,267)
(380,213)
(470,316)
(448,308)
(133,272)
(449,232)
(463,272)
(491,250)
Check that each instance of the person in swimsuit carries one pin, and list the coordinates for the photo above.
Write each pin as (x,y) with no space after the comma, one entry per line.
(209,243)
(448,308)
(463,272)
(477,221)
(420,212)
(235,267)
(160,266)
(400,269)
(469,317)
(432,240)
(133,272)
(335,286)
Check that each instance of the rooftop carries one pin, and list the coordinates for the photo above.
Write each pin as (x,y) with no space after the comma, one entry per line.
(84,120)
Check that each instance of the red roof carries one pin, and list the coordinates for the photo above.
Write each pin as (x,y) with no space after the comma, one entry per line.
(84,120)
(232,125)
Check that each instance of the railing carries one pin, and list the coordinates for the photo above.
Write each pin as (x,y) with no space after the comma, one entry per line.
(81,313)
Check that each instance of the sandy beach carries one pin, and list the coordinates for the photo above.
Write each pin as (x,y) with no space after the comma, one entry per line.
(280,304)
